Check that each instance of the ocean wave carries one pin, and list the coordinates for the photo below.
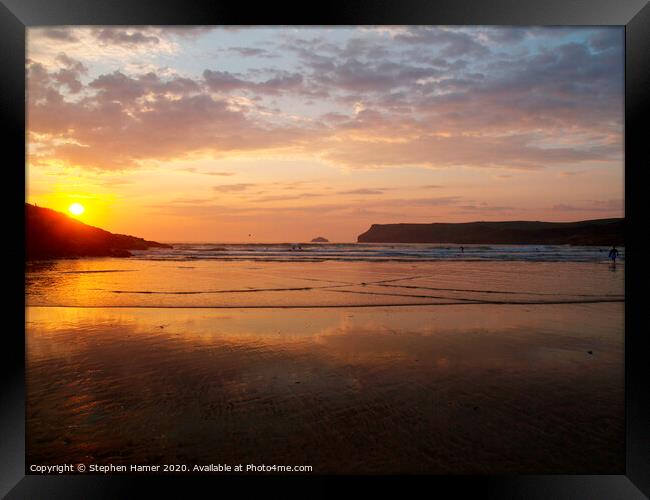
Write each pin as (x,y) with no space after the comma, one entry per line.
(349,252)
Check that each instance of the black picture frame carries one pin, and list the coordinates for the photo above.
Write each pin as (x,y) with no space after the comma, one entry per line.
(17,15)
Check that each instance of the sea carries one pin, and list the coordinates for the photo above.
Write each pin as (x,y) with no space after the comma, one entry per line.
(319,252)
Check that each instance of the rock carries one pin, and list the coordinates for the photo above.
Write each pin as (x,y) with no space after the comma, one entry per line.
(590,232)
(120,253)
(320,239)
(53,235)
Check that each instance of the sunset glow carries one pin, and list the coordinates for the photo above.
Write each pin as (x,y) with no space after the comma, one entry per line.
(284,134)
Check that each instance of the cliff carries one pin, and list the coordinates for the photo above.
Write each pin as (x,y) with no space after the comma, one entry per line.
(51,235)
(589,232)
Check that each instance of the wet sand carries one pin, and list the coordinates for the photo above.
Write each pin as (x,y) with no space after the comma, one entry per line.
(439,389)
(218,284)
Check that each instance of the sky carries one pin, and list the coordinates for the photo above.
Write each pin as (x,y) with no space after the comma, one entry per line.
(282,134)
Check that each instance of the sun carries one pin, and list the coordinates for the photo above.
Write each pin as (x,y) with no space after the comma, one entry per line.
(76,209)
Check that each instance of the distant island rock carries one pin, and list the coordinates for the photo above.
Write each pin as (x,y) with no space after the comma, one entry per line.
(54,235)
(320,239)
(598,232)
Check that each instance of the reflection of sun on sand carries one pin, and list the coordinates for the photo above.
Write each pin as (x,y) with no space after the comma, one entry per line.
(419,389)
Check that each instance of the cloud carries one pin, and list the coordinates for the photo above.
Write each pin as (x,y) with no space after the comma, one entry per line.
(108,134)
(289,197)
(434,202)
(566,87)
(71,64)
(59,34)
(423,96)
(233,188)
(363,191)
(571,173)
(196,171)
(108,46)
(251,52)
(608,39)
(126,37)
(117,86)
(483,208)
(567,207)
(612,204)
(127,121)
(68,77)
(454,43)
(358,76)
(363,47)
(615,206)
(189,31)
(223,81)
(517,152)
(359,211)
(505,36)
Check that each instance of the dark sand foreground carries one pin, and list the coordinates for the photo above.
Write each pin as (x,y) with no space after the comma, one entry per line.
(476,388)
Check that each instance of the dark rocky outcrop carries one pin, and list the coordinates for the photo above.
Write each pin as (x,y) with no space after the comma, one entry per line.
(589,232)
(320,239)
(52,235)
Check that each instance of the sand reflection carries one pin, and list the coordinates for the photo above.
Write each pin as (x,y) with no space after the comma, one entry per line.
(423,389)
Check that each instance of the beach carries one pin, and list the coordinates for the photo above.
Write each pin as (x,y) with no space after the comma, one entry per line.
(348,367)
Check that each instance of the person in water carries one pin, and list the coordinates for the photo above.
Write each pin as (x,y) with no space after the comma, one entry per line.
(462,250)
(613,253)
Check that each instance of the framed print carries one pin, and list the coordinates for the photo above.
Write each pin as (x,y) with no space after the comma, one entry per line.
(390,243)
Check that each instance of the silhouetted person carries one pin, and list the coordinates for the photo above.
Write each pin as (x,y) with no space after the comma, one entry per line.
(462,250)
(613,253)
